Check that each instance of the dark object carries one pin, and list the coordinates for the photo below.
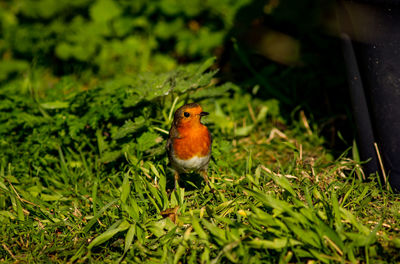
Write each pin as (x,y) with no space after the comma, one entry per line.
(361,114)
(373,61)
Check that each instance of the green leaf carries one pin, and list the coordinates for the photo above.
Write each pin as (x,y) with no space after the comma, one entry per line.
(205,65)
(307,236)
(284,183)
(109,233)
(110,156)
(99,213)
(277,243)
(179,252)
(50,197)
(335,207)
(129,237)
(217,233)
(8,67)
(147,140)
(212,91)
(20,212)
(7,214)
(198,229)
(243,131)
(54,105)
(348,216)
(133,210)
(262,114)
(157,228)
(104,10)
(126,187)
(129,127)
(396,242)
(273,107)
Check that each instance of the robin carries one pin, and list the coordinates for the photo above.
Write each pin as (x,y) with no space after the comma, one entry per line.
(189,142)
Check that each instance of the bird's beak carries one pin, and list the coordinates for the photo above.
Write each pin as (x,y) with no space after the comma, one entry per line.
(204,113)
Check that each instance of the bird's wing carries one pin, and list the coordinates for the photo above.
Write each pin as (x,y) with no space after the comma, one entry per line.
(173,133)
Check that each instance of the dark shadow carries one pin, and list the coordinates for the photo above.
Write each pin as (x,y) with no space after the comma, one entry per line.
(314,82)
(189,181)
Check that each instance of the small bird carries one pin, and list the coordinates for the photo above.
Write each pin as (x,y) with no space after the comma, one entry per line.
(189,142)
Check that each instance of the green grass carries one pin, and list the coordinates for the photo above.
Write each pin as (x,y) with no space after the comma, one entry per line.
(279,197)
(87,94)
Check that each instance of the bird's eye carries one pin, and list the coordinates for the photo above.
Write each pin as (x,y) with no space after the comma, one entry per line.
(186,114)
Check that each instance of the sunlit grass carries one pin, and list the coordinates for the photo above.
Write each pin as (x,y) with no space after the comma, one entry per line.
(277,199)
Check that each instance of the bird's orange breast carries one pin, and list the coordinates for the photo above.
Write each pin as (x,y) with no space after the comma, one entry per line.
(193,141)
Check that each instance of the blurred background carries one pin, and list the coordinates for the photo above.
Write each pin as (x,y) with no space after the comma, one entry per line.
(282,49)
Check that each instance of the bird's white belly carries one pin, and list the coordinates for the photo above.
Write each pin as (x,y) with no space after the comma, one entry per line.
(194,163)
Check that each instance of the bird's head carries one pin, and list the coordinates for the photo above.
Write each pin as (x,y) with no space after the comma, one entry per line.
(188,114)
